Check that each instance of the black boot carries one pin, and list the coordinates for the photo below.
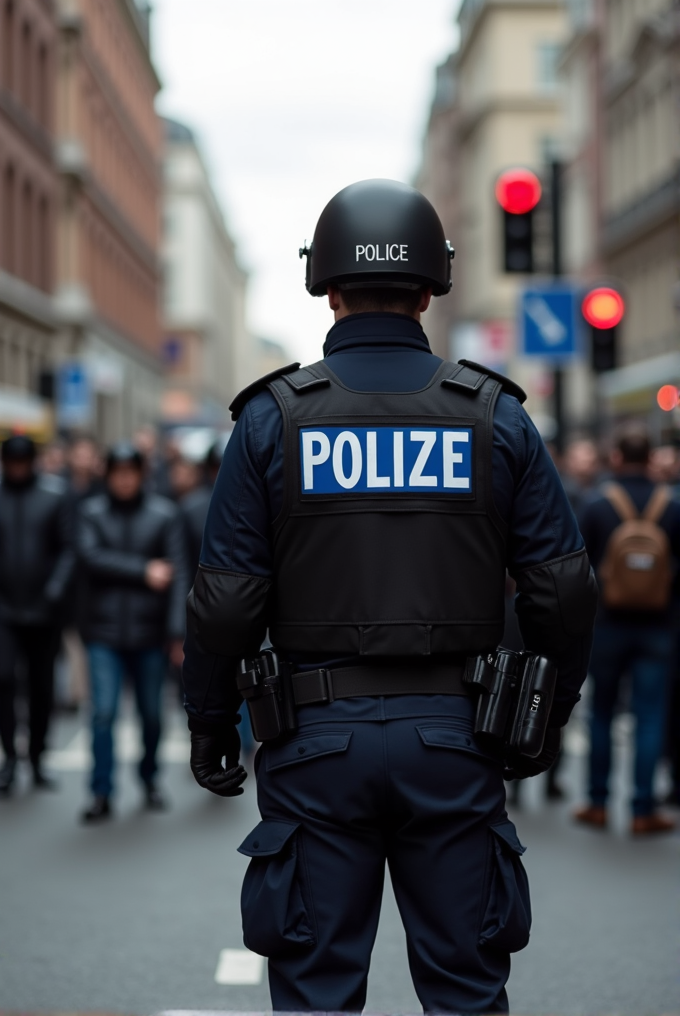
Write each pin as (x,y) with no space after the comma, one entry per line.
(154,800)
(553,790)
(40,780)
(99,809)
(7,773)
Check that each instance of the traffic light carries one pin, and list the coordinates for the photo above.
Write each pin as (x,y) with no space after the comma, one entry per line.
(668,398)
(518,191)
(603,308)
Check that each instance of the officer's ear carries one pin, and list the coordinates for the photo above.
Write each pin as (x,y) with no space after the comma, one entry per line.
(334,298)
(425,299)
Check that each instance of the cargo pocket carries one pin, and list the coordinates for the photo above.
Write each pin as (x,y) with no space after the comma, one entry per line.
(455,737)
(507,919)
(306,747)
(275,904)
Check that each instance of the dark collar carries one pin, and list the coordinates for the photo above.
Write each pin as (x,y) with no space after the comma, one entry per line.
(26,484)
(127,507)
(375,331)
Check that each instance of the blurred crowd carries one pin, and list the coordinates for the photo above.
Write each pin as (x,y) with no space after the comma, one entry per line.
(626,499)
(99,547)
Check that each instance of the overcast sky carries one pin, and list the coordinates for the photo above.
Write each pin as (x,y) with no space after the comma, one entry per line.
(292,100)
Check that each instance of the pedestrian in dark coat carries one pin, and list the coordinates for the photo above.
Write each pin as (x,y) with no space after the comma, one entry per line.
(131,547)
(36,563)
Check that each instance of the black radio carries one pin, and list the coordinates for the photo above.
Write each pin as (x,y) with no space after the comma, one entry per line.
(515,693)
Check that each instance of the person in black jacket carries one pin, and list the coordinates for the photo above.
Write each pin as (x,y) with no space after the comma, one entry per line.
(131,547)
(36,562)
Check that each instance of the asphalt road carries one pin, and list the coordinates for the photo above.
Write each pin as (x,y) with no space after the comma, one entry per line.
(132,917)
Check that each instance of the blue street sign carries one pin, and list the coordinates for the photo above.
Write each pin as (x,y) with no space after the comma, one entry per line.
(548,322)
(74,395)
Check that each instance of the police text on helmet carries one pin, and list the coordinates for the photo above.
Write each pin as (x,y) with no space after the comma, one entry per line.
(373,251)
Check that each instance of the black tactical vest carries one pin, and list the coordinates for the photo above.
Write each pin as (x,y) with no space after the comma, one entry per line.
(388,542)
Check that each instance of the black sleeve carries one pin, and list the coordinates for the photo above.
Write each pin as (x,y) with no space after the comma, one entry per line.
(66,557)
(106,561)
(211,698)
(556,604)
(227,608)
(227,613)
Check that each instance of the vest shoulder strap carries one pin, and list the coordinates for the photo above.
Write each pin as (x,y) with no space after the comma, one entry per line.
(306,378)
(466,380)
(239,403)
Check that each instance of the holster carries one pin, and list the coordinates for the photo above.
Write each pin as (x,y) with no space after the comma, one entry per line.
(514,696)
(514,693)
(265,685)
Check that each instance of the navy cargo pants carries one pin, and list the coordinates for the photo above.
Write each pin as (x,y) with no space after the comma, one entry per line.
(362,782)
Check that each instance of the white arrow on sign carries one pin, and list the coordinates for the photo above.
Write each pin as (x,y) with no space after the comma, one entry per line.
(551,328)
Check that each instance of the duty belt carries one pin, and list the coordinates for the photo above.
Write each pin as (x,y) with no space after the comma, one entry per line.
(312,687)
(514,692)
(273,693)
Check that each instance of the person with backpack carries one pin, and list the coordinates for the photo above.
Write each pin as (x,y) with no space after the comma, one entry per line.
(632,534)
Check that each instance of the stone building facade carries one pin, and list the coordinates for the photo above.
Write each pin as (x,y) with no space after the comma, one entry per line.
(28,44)
(622,73)
(439,180)
(497,105)
(108,155)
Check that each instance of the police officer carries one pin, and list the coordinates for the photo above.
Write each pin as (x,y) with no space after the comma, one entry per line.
(364,516)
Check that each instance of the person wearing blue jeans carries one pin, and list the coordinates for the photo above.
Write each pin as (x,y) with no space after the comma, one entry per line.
(644,653)
(108,667)
(133,559)
(633,642)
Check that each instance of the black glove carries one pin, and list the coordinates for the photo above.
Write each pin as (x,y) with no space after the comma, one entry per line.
(207,752)
(520,767)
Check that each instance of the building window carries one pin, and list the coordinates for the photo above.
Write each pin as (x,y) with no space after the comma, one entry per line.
(547,57)
(26,67)
(9,220)
(8,45)
(43,89)
(27,240)
(44,245)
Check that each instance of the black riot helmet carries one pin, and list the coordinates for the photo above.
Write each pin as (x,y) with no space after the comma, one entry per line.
(379,233)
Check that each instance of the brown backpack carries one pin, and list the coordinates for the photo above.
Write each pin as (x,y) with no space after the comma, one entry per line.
(636,573)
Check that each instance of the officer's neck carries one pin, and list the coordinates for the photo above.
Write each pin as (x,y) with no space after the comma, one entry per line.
(340,309)
(342,312)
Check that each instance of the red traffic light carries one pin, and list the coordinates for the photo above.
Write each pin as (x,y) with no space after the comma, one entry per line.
(668,398)
(518,191)
(603,307)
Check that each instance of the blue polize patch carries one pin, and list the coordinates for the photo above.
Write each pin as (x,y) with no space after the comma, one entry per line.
(375,460)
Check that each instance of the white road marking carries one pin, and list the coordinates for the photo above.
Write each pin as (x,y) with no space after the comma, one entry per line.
(239,966)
